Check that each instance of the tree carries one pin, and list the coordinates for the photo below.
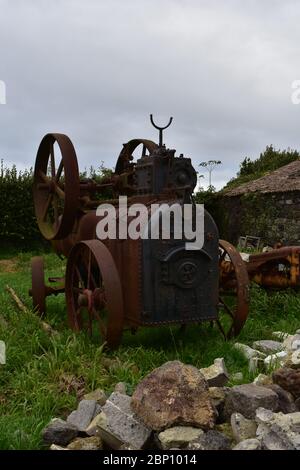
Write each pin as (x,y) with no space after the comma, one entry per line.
(269,160)
(210,166)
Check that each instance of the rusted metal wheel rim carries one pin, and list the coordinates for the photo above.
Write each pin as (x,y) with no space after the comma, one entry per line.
(125,156)
(93,287)
(56,192)
(233,279)
(38,289)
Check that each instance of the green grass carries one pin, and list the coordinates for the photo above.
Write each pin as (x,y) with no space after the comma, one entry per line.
(45,376)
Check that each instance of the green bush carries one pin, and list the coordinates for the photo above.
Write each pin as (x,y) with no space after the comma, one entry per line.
(269,160)
(17,219)
(18,225)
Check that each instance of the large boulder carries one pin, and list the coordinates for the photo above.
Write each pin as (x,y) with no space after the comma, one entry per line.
(246,398)
(174,394)
(288,379)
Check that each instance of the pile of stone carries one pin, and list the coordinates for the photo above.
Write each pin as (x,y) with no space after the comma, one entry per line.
(178,406)
(266,355)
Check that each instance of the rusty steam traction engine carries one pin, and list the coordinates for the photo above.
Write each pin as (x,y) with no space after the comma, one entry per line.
(120,284)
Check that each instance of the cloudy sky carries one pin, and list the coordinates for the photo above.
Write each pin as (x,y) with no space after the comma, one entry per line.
(95,69)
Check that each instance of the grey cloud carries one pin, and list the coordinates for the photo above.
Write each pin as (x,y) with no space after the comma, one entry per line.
(95,70)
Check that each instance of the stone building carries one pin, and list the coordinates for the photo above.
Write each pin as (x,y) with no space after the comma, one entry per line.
(268,207)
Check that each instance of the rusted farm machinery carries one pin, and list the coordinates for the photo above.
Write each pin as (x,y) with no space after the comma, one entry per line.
(277,269)
(127,283)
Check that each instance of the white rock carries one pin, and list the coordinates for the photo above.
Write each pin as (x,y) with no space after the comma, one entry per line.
(263,416)
(268,346)
(179,436)
(292,342)
(248,352)
(278,431)
(275,360)
(248,444)
(56,447)
(295,344)
(294,360)
(118,425)
(242,428)
(216,375)
(245,257)
(262,379)
(2,353)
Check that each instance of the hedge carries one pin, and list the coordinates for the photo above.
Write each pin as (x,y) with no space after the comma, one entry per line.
(17,219)
(18,225)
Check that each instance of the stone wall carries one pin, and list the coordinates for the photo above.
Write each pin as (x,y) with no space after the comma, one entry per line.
(274,217)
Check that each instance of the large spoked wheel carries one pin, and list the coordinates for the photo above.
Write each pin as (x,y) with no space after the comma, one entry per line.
(56,186)
(38,288)
(125,158)
(93,292)
(234,291)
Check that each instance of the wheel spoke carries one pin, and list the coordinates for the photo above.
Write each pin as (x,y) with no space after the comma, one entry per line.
(78,290)
(89,269)
(47,205)
(44,177)
(55,209)
(102,326)
(52,161)
(59,171)
(222,256)
(79,277)
(59,192)
(221,329)
(90,277)
(77,319)
(227,308)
